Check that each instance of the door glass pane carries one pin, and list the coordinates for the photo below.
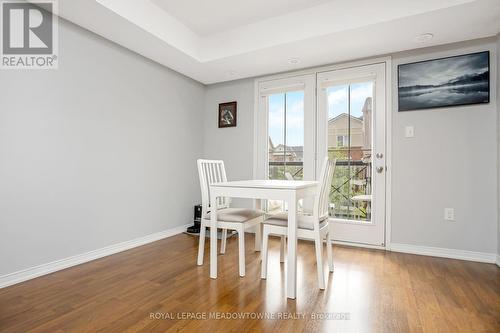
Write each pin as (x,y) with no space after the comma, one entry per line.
(294,135)
(276,130)
(286,138)
(350,142)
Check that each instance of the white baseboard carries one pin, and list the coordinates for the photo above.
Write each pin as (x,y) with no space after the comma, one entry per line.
(445,253)
(33,272)
(498,260)
(366,246)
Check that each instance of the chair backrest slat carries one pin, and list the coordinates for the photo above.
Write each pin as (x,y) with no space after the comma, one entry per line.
(322,198)
(211,171)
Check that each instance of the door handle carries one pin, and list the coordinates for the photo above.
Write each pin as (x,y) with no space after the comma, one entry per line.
(380,169)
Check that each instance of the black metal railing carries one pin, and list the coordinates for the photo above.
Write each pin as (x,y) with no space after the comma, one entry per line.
(364,167)
(356,170)
(362,171)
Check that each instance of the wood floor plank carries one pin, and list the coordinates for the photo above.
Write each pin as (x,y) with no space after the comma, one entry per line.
(370,291)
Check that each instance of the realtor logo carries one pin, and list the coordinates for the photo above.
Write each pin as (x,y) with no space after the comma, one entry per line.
(29,34)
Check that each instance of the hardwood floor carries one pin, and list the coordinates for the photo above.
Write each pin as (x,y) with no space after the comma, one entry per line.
(378,291)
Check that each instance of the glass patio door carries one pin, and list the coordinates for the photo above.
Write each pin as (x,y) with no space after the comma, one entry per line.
(351,129)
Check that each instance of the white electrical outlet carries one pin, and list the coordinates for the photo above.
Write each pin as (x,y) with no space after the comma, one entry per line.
(449,214)
(409,131)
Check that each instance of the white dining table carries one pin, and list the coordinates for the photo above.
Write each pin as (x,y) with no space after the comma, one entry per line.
(289,191)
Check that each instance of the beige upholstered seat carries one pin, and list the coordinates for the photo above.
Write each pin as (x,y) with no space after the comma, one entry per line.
(236,214)
(304,221)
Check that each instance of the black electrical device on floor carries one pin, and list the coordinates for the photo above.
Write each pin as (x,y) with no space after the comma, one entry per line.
(195,229)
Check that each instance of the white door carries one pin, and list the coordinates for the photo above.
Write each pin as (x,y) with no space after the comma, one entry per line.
(351,112)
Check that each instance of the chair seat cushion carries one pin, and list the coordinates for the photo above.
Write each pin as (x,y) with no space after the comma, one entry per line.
(304,221)
(236,214)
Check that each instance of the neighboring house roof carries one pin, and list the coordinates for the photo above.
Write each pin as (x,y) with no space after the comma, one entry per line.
(343,115)
(297,150)
(271,144)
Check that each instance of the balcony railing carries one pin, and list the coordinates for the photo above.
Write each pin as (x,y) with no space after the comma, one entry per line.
(277,169)
(351,178)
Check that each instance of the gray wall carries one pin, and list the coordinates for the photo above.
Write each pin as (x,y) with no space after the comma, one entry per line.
(451,161)
(234,145)
(98,152)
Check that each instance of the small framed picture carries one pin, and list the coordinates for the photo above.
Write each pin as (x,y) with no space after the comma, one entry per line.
(227,114)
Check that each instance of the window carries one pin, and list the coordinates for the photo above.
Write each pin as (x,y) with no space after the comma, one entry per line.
(286,128)
(342,141)
(286,135)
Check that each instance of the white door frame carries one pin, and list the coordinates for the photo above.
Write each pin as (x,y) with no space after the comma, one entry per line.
(388,91)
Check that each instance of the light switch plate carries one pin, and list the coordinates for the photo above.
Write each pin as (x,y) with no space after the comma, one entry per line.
(449,214)
(409,131)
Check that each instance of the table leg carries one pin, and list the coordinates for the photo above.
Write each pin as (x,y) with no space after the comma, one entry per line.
(258,229)
(213,237)
(291,270)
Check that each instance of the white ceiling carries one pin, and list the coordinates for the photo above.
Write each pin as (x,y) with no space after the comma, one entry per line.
(221,40)
(211,16)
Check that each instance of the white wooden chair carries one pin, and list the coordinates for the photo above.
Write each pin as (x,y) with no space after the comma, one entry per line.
(212,171)
(312,226)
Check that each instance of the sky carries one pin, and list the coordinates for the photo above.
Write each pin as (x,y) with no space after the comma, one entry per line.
(436,72)
(294,118)
(337,104)
(337,98)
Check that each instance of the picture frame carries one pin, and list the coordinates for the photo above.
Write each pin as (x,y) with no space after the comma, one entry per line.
(227,114)
(444,82)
